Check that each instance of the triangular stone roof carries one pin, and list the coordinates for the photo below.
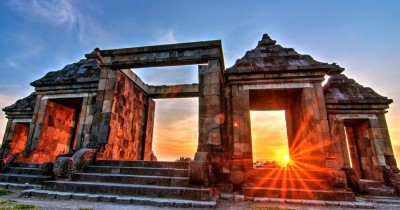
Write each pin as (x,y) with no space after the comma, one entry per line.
(25,104)
(86,70)
(341,90)
(268,56)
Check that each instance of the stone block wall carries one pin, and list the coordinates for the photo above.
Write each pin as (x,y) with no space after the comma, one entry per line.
(128,121)
(56,133)
(148,151)
(368,145)
(308,128)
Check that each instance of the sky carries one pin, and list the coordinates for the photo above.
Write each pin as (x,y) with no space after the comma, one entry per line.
(37,36)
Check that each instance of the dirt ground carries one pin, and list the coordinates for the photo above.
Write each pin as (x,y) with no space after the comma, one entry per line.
(47,204)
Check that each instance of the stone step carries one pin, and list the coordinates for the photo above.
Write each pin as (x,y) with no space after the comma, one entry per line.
(138,171)
(186,193)
(20,170)
(22,178)
(311,184)
(27,165)
(284,173)
(373,183)
(16,186)
(328,195)
(150,201)
(382,191)
(140,163)
(132,179)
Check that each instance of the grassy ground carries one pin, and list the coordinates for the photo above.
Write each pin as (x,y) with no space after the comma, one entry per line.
(10,204)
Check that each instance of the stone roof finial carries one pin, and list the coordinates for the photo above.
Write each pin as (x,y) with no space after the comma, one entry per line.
(336,69)
(266,40)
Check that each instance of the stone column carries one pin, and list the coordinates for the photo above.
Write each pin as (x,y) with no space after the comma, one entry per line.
(148,149)
(337,149)
(102,110)
(35,128)
(209,106)
(312,136)
(381,147)
(7,138)
(201,170)
(242,147)
(85,121)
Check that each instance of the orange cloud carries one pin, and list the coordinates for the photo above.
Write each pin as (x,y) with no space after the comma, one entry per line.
(269,137)
(176,128)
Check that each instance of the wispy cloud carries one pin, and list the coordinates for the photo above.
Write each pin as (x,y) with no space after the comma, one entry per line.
(166,37)
(64,14)
(58,12)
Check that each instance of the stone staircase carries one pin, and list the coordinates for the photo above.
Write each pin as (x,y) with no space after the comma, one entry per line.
(292,184)
(376,188)
(26,175)
(136,182)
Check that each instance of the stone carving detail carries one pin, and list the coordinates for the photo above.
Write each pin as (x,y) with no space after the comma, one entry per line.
(6,165)
(62,167)
(82,158)
(391,179)
(354,183)
(46,169)
(336,178)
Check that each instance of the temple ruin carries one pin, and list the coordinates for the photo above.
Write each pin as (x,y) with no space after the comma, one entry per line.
(97,117)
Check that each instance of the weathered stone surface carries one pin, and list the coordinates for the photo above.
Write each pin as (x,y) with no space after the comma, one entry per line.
(268,56)
(86,70)
(25,104)
(341,90)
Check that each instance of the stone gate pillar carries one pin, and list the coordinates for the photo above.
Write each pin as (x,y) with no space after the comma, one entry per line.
(35,129)
(210,113)
(103,108)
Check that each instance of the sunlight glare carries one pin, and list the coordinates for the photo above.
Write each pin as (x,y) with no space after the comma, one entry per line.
(286,158)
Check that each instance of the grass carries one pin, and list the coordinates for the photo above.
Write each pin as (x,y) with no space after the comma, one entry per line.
(10,204)
(4,192)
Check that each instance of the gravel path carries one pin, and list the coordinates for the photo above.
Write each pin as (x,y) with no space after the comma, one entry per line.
(386,203)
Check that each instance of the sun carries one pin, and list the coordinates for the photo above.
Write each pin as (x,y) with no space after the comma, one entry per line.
(286,158)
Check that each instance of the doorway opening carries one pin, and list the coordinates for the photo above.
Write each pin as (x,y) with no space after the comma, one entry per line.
(59,130)
(175,132)
(19,138)
(359,146)
(269,139)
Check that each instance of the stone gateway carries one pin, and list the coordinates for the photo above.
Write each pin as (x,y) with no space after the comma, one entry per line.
(94,120)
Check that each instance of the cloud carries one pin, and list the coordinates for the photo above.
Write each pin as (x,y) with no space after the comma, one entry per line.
(166,37)
(57,12)
(176,128)
(64,14)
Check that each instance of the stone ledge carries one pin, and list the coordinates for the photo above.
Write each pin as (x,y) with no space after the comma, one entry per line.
(344,204)
(15,186)
(160,202)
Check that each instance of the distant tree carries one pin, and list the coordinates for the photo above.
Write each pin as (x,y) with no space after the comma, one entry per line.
(183,159)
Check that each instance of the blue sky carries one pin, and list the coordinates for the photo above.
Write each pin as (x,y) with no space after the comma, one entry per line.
(360,35)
